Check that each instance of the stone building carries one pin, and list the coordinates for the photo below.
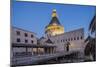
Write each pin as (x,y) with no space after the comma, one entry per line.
(19,35)
(25,42)
(55,39)
(22,37)
(71,40)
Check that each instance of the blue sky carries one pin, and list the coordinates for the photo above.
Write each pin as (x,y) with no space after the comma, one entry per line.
(34,16)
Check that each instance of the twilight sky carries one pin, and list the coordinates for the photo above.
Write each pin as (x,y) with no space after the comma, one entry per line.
(34,16)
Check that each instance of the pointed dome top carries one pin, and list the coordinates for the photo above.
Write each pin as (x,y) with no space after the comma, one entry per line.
(54,14)
(54,10)
(54,20)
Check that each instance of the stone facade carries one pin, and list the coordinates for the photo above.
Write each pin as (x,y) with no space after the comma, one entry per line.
(21,36)
(75,39)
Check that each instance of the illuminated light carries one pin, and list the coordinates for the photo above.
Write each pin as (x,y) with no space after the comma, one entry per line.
(34,49)
(51,27)
(73,45)
(54,13)
(54,24)
(54,28)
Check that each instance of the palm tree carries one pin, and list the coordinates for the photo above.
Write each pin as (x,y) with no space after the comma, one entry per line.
(90,41)
(92,27)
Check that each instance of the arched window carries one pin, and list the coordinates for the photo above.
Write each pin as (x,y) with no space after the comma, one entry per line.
(69,39)
(32,41)
(77,38)
(74,38)
(26,34)
(32,36)
(18,32)
(61,40)
(66,39)
(81,37)
(26,41)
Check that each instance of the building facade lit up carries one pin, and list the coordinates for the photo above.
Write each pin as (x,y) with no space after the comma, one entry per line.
(55,39)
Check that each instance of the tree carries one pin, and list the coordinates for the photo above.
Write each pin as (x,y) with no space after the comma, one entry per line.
(92,27)
(90,41)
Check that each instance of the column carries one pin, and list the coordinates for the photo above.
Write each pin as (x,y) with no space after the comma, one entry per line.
(51,50)
(12,52)
(26,49)
(47,50)
(54,49)
(37,51)
(32,51)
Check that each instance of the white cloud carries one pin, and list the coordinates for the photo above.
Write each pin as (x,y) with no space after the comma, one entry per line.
(82,2)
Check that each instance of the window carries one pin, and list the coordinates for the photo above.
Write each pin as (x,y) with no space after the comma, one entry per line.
(61,40)
(74,38)
(18,32)
(69,39)
(26,41)
(31,41)
(81,37)
(18,39)
(66,39)
(77,38)
(26,34)
(31,36)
